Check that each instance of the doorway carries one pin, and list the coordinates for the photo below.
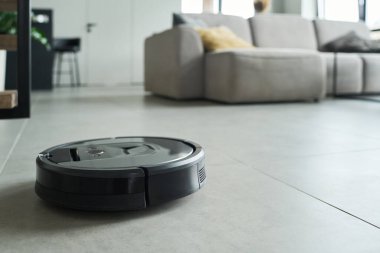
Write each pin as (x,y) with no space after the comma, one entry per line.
(112,34)
(108,42)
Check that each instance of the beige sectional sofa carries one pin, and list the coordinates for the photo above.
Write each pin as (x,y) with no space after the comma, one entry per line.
(286,65)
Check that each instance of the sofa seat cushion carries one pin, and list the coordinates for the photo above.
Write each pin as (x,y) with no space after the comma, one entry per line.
(349,79)
(371,72)
(263,75)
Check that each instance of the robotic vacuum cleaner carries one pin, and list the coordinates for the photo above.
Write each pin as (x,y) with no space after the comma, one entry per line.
(124,173)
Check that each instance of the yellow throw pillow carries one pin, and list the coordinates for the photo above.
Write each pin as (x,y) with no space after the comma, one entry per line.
(215,38)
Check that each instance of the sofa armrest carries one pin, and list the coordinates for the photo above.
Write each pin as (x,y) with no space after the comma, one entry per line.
(174,63)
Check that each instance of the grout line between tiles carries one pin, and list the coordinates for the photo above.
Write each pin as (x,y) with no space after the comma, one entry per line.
(13,145)
(21,131)
(308,194)
(327,154)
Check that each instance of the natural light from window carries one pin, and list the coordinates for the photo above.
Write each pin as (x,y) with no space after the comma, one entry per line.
(344,10)
(192,6)
(373,13)
(243,8)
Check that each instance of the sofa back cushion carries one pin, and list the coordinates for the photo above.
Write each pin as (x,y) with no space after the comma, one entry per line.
(237,25)
(328,30)
(283,31)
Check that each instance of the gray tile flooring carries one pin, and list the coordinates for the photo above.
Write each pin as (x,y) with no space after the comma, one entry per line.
(294,177)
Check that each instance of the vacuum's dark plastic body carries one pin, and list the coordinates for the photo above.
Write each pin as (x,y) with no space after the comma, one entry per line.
(124,173)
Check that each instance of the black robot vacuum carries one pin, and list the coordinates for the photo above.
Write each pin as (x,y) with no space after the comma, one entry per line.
(124,173)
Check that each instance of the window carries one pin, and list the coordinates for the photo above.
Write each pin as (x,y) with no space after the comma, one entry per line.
(216,6)
(373,13)
(243,8)
(343,10)
(192,6)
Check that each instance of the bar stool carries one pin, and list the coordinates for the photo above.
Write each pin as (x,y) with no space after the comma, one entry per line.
(69,46)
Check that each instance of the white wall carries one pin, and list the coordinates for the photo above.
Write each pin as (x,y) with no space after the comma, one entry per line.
(69,15)
(145,18)
(149,16)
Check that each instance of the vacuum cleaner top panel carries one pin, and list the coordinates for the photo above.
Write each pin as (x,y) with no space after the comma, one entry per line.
(124,152)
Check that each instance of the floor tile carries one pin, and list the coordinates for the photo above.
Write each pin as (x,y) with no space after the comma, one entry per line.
(9,133)
(349,181)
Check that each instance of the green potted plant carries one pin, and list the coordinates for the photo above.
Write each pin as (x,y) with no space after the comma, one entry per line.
(8,26)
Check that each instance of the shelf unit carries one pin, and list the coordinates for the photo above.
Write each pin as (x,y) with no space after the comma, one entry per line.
(8,5)
(16,103)
(8,42)
(8,99)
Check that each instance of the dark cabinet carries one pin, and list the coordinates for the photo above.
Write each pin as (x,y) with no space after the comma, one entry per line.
(41,58)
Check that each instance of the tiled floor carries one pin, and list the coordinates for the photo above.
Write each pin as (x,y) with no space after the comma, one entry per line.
(296,177)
